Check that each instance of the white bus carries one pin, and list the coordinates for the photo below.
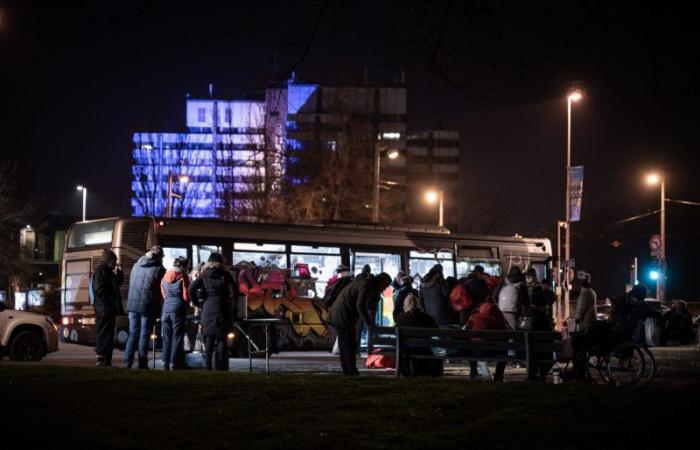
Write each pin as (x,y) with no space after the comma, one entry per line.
(306,256)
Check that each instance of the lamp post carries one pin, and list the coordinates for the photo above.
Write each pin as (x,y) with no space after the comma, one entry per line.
(84,189)
(437,196)
(171,194)
(392,154)
(573,96)
(660,179)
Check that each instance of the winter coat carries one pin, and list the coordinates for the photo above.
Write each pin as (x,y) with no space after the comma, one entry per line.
(436,298)
(400,296)
(353,303)
(511,297)
(216,292)
(415,318)
(487,317)
(534,319)
(144,286)
(105,286)
(175,291)
(585,308)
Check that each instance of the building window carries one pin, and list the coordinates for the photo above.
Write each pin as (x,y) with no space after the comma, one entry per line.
(332,145)
(202,115)
(227,112)
(391,135)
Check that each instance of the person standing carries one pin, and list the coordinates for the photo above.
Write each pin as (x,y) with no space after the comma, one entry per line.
(511,296)
(585,306)
(353,303)
(488,317)
(176,299)
(531,281)
(216,293)
(105,284)
(436,296)
(144,304)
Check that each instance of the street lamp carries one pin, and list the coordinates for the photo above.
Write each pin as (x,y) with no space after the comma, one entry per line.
(434,197)
(660,179)
(171,194)
(378,153)
(573,96)
(84,189)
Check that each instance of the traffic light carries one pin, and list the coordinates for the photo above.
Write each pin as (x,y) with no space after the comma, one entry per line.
(653,274)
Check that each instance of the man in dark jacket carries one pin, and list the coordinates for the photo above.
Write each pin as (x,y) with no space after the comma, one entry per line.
(436,296)
(105,287)
(144,305)
(353,303)
(216,292)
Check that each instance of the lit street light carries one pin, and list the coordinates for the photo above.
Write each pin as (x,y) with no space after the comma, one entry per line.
(171,194)
(574,96)
(660,179)
(378,153)
(433,197)
(84,189)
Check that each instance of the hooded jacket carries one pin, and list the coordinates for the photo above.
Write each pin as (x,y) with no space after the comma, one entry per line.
(487,317)
(105,285)
(175,290)
(436,297)
(144,286)
(216,292)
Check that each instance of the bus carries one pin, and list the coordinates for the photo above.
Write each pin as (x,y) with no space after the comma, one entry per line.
(293,264)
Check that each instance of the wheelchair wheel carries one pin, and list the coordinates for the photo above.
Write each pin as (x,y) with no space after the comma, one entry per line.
(626,365)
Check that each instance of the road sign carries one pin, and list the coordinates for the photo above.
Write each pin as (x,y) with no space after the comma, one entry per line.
(571,263)
(655,243)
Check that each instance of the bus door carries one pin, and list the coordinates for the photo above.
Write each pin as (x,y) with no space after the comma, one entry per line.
(379,262)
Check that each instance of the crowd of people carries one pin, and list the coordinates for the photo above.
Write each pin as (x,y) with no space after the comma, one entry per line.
(479,301)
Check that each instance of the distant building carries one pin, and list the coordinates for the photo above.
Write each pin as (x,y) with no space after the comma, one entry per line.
(235,152)
(433,163)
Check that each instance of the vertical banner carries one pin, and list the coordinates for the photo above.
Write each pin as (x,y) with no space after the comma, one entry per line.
(575,192)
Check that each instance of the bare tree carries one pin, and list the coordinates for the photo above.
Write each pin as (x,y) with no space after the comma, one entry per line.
(12,218)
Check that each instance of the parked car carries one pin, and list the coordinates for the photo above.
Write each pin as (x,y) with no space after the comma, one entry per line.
(26,336)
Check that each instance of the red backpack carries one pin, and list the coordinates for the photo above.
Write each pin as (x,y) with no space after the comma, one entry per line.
(460,298)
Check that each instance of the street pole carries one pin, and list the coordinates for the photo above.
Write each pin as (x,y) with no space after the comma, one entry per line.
(442,209)
(375,204)
(169,208)
(661,284)
(567,237)
(558,273)
(84,203)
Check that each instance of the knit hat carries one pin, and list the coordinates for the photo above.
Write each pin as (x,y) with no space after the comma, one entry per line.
(639,291)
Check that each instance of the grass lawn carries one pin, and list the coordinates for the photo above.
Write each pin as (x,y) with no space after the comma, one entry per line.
(76,408)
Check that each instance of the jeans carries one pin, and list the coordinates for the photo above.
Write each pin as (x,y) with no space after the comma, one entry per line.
(347,342)
(140,326)
(173,332)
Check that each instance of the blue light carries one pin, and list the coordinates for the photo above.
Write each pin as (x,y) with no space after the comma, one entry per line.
(654,275)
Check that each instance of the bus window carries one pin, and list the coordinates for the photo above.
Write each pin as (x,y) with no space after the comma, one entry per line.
(465,267)
(541,269)
(171,253)
(421,263)
(263,255)
(84,234)
(322,262)
(380,262)
(200,253)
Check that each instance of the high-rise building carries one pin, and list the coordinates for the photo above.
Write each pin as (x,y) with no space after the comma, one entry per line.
(235,152)
(433,163)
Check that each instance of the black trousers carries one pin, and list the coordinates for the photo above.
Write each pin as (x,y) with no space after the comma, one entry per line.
(104,343)
(347,344)
(221,360)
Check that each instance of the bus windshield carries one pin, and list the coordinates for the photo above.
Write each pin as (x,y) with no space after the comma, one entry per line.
(91,233)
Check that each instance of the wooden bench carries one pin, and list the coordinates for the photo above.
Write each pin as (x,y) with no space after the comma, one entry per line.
(529,347)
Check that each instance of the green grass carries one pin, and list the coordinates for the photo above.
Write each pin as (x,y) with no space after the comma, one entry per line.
(111,408)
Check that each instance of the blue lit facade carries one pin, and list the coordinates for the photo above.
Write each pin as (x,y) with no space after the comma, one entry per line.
(235,152)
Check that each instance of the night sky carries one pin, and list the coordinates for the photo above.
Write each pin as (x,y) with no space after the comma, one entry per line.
(78,78)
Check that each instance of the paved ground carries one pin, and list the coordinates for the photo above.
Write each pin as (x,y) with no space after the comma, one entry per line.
(678,366)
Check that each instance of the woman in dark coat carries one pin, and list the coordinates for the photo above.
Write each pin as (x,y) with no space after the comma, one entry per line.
(436,296)
(412,316)
(216,293)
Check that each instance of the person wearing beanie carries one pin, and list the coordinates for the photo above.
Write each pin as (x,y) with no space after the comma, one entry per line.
(216,292)
(105,284)
(435,296)
(144,304)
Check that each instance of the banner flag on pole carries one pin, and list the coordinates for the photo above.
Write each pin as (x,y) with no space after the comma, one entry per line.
(575,192)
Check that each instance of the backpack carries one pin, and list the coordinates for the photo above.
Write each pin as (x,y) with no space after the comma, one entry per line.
(460,298)
(332,294)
